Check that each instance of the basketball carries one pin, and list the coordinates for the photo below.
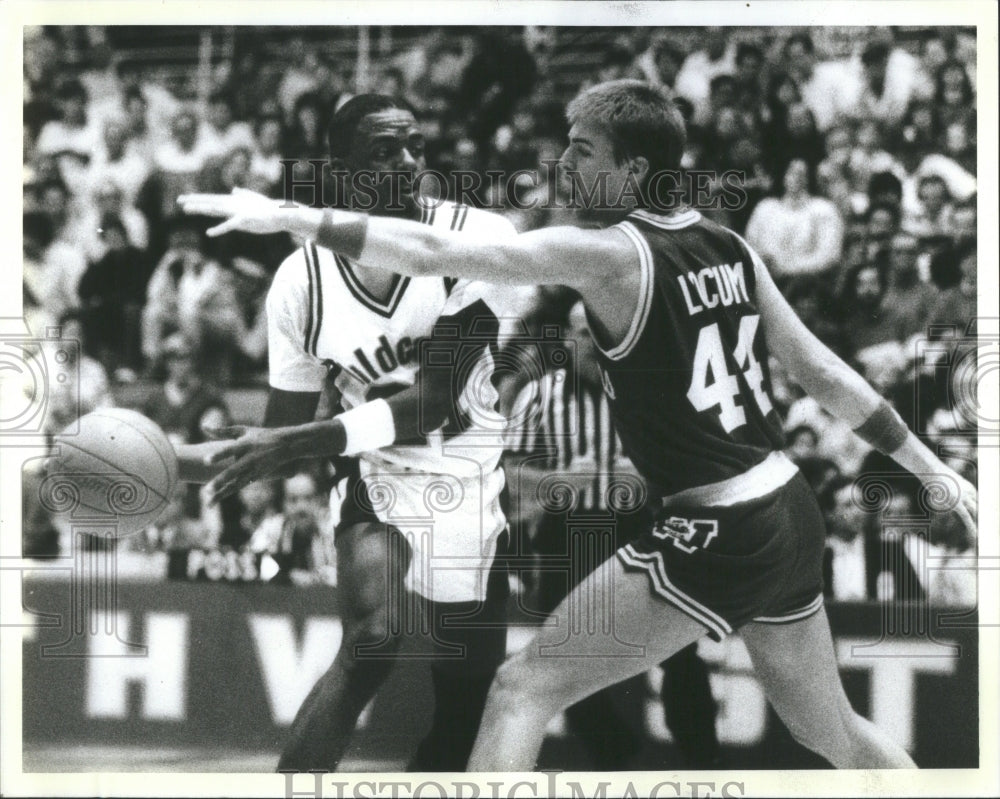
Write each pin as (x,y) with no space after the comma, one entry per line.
(117,470)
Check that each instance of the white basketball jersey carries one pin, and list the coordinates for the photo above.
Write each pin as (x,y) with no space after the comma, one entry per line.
(322,321)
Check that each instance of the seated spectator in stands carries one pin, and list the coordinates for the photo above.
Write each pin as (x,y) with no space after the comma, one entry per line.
(112,292)
(882,223)
(909,300)
(964,222)
(266,171)
(119,159)
(959,304)
(889,79)
(220,133)
(305,142)
(136,110)
(222,175)
(863,323)
(193,294)
(298,75)
(716,57)
(884,188)
(298,540)
(178,162)
(919,129)
(954,97)
(937,46)
(86,386)
(63,261)
(958,142)
(868,157)
(749,76)
(73,131)
(798,234)
(933,217)
(109,200)
(828,88)
(258,502)
(847,559)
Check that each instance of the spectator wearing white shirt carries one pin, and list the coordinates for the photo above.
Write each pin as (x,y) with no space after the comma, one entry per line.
(845,542)
(933,214)
(718,57)
(119,159)
(889,80)
(73,131)
(829,88)
(798,234)
(219,132)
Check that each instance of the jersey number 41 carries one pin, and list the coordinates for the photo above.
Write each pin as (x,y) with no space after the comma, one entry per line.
(711,383)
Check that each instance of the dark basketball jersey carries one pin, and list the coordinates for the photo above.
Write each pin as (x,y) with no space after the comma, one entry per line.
(689,384)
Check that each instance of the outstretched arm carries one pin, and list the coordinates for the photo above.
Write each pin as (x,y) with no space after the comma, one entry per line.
(847,395)
(560,255)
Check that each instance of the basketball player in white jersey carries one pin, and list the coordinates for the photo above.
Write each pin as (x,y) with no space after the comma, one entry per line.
(421,519)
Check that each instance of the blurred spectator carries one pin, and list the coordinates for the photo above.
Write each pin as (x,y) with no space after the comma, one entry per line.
(717,57)
(220,132)
(499,73)
(868,157)
(109,201)
(298,540)
(881,224)
(112,292)
(889,79)
(193,294)
(953,96)
(828,88)
(119,159)
(864,311)
(178,163)
(73,131)
(933,217)
(798,234)
(259,503)
(846,579)
(62,260)
(909,300)
(959,305)
(266,171)
(298,75)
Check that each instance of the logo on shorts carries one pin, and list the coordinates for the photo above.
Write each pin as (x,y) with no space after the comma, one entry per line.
(687,534)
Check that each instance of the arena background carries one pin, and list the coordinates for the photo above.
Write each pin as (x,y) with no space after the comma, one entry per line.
(228,657)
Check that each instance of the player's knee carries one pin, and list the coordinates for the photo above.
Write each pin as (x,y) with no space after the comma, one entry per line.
(369,638)
(517,680)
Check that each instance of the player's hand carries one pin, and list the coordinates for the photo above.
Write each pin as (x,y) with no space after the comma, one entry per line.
(257,453)
(965,505)
(247,211)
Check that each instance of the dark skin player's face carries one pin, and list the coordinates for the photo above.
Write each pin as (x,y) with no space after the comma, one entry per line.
(389,141)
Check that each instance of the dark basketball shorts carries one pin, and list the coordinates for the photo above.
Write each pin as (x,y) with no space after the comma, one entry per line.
(758,560)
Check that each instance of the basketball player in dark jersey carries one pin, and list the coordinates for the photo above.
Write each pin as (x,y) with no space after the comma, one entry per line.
(685,315)
(580,499)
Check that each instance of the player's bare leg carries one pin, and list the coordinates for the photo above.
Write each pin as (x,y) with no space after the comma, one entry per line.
(560,667)
(798,668)
(371,564)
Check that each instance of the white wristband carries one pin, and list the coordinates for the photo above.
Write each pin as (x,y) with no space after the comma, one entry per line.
(367,427)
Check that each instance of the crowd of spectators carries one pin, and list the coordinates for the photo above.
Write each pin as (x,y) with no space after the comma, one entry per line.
(856,153)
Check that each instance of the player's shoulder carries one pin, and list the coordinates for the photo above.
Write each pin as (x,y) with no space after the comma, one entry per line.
(466,218)
(297,272)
